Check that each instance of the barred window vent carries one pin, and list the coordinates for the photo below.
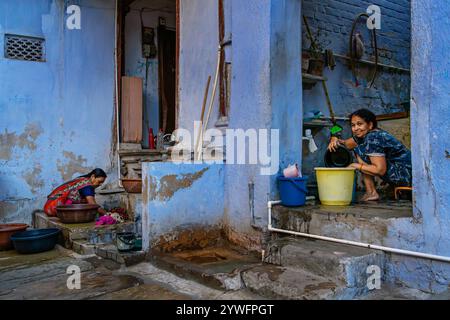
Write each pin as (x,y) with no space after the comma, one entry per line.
(24,48)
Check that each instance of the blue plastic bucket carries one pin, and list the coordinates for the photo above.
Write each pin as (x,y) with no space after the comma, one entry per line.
(292,191)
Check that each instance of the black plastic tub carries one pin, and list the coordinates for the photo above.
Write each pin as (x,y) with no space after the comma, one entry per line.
(34,241)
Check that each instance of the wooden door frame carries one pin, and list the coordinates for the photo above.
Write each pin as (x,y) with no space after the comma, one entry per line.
(177,62)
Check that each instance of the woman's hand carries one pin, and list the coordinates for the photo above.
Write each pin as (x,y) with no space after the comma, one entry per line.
(356,166)
(91,200)
(334,144)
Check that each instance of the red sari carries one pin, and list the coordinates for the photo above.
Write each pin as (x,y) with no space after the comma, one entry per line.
(66,193)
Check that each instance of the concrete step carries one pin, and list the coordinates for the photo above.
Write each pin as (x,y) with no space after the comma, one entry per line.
(108,251)
(276,282)
(126,258)
(218,267)
(398,292)
(369,223)
(347,265)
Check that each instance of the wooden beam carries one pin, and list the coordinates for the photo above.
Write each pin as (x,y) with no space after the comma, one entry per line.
(392,116)
(222,94)
(177,62)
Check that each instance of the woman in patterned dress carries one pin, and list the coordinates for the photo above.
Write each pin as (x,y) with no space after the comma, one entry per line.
(78,190)
(378,153)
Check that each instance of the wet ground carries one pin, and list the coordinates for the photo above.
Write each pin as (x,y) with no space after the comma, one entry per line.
(44,276)
(209,274)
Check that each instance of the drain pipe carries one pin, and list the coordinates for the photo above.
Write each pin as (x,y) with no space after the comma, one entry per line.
(416,254)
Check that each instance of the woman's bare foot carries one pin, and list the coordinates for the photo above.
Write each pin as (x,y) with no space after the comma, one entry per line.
(373,196)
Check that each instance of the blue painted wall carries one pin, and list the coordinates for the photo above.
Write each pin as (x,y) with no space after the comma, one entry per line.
(199,40)
(266,94)
(56,116)
(334,19)
(180,197)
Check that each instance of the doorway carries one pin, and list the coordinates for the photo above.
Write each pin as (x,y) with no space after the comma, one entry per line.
(167,78)
(148,52)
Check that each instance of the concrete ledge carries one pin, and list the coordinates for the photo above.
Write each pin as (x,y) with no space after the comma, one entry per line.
(346,264)
(83,231)
(364,223)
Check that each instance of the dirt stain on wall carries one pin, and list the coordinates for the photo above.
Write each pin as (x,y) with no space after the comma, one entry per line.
(74,164)
(191,238)
(172,183)
(33,180)
(10,140)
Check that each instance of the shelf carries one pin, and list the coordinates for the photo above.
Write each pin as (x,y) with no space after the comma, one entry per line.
(317,124)
(312,79)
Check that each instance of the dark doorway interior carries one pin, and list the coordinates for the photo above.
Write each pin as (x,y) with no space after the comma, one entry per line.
(167,78)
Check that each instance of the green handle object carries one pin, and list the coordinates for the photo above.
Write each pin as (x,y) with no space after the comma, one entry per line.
(336,129)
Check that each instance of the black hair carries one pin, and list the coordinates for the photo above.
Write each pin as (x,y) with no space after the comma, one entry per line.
(367,115)
(98,173)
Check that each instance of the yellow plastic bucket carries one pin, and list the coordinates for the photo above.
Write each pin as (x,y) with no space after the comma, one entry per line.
(335,185)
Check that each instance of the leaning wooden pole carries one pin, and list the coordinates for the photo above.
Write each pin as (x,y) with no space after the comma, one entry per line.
(205,98)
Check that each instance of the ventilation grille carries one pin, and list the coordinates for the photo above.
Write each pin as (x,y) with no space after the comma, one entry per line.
(24,48)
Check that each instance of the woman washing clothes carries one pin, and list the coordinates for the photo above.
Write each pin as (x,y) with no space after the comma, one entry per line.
(379,154)
(78,190)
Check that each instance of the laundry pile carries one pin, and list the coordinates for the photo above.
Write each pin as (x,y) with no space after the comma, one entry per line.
(114,216)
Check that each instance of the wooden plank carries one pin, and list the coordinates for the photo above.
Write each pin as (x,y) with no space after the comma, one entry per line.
(177,62)
(222,97)
(392,116)
(132,88)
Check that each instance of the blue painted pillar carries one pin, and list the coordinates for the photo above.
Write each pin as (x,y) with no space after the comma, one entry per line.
(266,94)
(430,114)
(286,79)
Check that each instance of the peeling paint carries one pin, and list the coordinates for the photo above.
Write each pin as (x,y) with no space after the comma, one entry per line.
(33,180)
(75,164)
(6,208)
(10,140)
(172,183)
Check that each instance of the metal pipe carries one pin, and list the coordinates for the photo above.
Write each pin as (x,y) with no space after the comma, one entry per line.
(352,243)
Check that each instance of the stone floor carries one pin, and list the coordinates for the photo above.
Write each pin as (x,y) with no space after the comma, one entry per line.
(43,277)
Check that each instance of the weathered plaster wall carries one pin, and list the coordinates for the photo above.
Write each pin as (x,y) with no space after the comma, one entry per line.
(334,19)
(182,204)
(135,63)
(56,116)
(199,40)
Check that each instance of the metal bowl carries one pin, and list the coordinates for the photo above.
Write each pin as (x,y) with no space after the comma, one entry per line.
(77,213)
